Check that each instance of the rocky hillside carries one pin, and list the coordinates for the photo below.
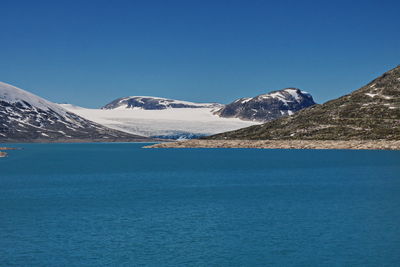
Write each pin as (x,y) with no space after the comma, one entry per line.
(369,113)
(155,103)
(25,117)
(269,106)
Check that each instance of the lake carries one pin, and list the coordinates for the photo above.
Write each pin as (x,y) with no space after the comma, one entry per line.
(120,205)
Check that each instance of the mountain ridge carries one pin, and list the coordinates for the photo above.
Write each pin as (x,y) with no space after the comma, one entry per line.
(154,103)
(25,117)
(269,106)
(369,113)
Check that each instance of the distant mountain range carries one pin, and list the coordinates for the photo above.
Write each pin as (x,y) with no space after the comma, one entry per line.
(264,107)
(177,119)
(25,117)
(371,112)
(155,103)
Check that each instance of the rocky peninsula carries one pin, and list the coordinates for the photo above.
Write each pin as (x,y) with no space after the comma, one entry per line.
(284,144)
(4,154)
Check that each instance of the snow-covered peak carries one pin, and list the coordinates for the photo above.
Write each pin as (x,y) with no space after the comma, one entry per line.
(25,117)
(296,93)
(12,94)
(268,106)
(154,103)
(287,94)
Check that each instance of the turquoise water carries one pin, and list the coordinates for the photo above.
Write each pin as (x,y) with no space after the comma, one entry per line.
(119,205)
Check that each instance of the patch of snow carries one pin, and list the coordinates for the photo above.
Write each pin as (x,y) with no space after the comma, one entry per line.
(293,93)
(246,100)
(69,106)
(371,95)
(280,97)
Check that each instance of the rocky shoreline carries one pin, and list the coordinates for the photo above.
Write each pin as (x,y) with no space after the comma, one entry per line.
(4,154)
(284,144)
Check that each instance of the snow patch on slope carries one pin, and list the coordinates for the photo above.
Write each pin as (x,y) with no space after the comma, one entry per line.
(12,94)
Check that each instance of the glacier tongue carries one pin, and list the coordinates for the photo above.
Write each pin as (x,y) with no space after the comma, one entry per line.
(171,122)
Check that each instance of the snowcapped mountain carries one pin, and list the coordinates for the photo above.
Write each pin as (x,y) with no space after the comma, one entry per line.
(155,103)
(27,117)
(160,117)
(369,113)
(269,106)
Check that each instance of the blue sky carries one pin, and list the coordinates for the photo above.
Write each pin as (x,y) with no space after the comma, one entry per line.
(91,52)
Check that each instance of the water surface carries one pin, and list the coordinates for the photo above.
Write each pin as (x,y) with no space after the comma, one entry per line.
(120,205)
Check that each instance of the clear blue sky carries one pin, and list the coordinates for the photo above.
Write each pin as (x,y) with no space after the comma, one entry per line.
(91,52)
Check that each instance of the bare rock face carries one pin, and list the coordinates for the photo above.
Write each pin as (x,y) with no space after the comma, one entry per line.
(269,106)
(25,117)
(369,113)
